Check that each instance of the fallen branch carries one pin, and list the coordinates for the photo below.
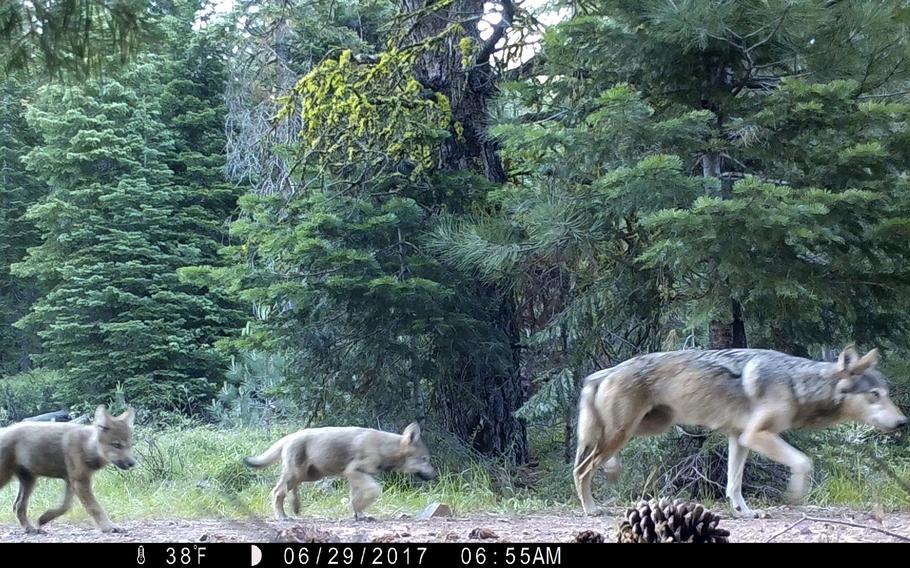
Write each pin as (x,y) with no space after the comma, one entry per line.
(777,534)
(839,522)
(56,416)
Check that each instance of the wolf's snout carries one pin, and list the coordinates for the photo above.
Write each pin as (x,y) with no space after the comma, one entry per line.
(427,476)
(902,422)
(125,464)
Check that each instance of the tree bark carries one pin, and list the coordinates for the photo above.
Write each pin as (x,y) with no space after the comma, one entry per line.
(724,334)
(480,408)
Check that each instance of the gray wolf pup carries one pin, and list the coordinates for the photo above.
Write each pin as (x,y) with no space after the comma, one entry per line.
(751,395)
(71,452)
(355,453)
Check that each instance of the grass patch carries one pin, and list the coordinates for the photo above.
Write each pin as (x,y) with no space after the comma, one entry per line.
(198,473)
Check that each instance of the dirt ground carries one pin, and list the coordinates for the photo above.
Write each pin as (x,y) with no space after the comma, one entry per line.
(781,523)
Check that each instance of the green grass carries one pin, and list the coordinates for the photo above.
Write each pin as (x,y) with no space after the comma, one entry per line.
(198,473)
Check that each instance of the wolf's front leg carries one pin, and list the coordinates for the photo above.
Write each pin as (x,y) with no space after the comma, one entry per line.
(774,447)
(364,491)
(736,462)
(83,489)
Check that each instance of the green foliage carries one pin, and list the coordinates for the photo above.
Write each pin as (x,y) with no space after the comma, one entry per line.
(29,394)
(69,36)
(666,164)
(254,392)
(667,159)
(115,230)
(377,112)
(335,266)
(567,233)
(342,291)
(18,191)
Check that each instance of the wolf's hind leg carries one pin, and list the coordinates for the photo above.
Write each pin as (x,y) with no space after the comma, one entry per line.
(27,483)
(588,462)
(280,491)
(65,506)
(295,499)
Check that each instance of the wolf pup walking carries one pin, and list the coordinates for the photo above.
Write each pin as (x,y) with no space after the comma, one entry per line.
(355,453)
(67,451)
(751,395)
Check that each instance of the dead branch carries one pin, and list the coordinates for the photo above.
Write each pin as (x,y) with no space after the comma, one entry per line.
(839,522)
(788,528)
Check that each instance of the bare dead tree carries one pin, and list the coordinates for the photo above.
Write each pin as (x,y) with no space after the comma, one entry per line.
(261,71)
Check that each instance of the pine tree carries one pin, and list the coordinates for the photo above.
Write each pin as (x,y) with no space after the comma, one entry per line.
(682,172)
(18,190)
(69,36)
(794,234)
(113,228)
(333,257)
(192,108)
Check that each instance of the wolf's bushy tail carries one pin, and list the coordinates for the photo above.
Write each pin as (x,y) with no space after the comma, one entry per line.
(269,456)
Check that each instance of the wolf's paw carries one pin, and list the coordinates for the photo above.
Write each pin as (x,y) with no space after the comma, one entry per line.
(113,529)
(33,530)
(792,497)
(595,512)
(365,518)
(747,513)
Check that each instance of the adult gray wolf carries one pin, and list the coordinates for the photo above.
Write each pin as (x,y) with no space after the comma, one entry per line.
(72,452)
(355,453)
(751,395)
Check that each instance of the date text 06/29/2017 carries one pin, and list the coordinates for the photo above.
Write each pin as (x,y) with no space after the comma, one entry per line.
(417,555)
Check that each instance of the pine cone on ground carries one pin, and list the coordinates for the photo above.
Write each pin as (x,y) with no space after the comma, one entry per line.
(663,521)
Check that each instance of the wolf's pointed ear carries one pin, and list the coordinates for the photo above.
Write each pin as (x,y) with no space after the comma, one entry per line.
(848,358)
(411,434)
(129,417)
(101,417)
(869,361)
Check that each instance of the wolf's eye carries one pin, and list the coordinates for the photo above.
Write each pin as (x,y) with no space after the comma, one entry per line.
(875,395)
(117,445)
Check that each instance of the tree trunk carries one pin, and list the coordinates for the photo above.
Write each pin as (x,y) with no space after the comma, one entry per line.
(481,407)
(722,334)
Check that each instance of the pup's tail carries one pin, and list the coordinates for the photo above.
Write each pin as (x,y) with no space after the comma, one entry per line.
(268,457)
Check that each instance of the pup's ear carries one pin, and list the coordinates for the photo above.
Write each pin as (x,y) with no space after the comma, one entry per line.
(102,418)
(869,361)
(129,417)
(411,434)
(848,358)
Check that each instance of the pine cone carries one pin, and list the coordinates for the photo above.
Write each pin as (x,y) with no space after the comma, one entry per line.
(663,521)
(589,536)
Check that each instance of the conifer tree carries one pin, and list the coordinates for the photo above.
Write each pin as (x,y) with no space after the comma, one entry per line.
(18,190)
(115,230)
